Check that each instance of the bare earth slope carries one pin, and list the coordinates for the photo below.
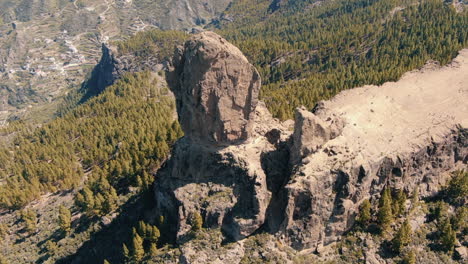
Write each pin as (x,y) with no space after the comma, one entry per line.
(399,117)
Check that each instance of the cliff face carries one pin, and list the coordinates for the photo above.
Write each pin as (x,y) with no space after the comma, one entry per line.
(113,65)
(216,90)
(304,184)
(402,135)
(219,168)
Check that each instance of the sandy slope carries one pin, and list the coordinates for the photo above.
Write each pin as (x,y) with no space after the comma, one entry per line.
(398,117)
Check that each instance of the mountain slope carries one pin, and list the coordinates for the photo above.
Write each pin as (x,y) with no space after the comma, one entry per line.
(48,47)
(310,50)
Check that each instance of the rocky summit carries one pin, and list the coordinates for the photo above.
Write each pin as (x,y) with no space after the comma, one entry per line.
(216,90)
(243,171)
(220,167)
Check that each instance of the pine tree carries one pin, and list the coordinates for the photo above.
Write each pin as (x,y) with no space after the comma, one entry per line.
(154,234)
(447,237)
(364,213)
(415,198)
(161,220)
(403,237)
(460,220)
(457,189)
(137,246)
(110,203)
(64,219)
(85,199)
(30,219)
(153,250)
(126,253)
(399,206)
(440,210)
(51,247)
(385,216)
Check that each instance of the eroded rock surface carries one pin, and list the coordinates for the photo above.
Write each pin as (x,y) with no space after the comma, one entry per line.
(231,187)
(233,147)
(246,172)
(216,90)
(402,135)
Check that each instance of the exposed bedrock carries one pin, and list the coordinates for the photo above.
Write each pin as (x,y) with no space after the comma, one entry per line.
(230,187)
(233,158)
(216,89)
(244,171)
(325,192)
(113,65)
(403,135)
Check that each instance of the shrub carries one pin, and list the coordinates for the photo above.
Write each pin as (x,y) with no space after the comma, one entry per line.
(196,221)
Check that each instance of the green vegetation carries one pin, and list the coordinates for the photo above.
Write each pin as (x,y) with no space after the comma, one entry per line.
(149,232)
(29,218)
(409,258)
(457,188)
(196,221)
(143,242)
(460,220)
(402,237)
(137,247)
(385,216)
(152,43)
(399,206)
(306,54)
(64,219)
(51,247)
(116,139)
(447,237)
(365,215)
(446,224)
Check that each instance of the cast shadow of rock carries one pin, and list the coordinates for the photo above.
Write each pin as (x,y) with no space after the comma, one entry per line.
(107,242)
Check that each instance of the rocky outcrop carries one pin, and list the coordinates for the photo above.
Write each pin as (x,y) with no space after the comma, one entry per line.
(404,135)
(231,187)
(216,90)
(113,65)
(246,172)
(311,133)
(221,168)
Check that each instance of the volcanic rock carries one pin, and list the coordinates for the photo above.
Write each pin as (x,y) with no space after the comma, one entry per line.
(404,135)
(216,89)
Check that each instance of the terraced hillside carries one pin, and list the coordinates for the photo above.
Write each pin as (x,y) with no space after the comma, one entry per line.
(47,47)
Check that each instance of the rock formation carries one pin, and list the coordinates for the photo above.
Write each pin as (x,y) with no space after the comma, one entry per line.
(402,135)
(218,168)
(246,172)
(216,90)
(113,65)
